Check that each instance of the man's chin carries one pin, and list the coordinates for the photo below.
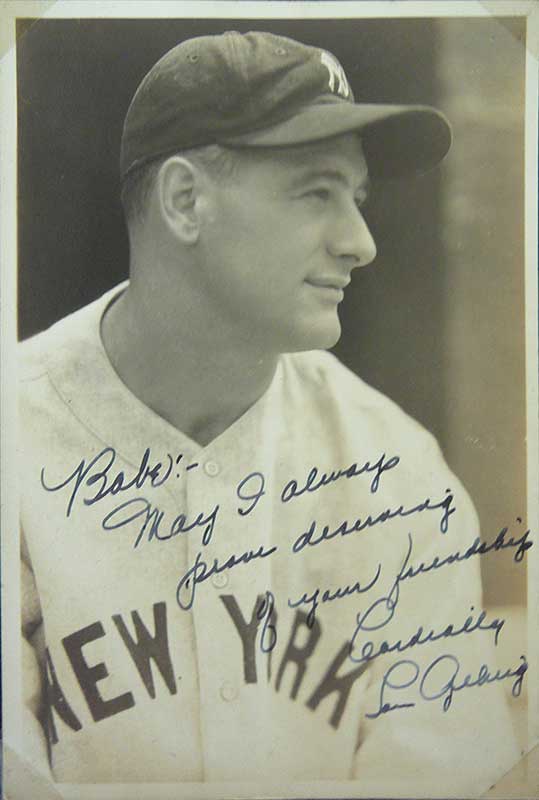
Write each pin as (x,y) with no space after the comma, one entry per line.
(321,337)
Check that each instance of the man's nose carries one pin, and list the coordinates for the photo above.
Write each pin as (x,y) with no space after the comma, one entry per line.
(351,239)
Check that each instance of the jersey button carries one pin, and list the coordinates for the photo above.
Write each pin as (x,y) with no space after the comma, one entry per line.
(212,468)
(220,580)
(228,692)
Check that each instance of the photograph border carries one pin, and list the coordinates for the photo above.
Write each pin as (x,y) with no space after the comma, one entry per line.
(526,773)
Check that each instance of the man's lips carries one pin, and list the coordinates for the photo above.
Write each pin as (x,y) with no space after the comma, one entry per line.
(328,282)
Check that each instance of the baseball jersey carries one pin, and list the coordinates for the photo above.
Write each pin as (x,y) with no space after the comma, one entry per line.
(298,600)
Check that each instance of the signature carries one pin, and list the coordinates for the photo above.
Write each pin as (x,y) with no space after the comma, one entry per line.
(441,679)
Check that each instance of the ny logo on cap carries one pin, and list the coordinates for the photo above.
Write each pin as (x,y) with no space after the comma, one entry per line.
(337,78)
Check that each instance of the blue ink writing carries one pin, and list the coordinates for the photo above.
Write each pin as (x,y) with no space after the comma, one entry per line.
(439,680)
(370,651)
(477,548)
(449,686)
(268,639)
(140,510)
(381,612)
(200,572)
(97,473)
(328,597)
(255,496)
(311,538)
(387,683)
(315,480)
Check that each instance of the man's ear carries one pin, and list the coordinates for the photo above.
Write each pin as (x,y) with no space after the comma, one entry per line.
(177,193)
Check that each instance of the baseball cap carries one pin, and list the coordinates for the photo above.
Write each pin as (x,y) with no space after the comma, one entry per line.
(262,90)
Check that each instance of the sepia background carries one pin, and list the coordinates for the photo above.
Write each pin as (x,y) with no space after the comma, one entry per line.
(437,322)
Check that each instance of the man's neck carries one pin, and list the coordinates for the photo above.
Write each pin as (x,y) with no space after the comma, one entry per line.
(193,377)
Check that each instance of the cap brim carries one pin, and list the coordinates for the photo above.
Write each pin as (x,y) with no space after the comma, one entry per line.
(397,140)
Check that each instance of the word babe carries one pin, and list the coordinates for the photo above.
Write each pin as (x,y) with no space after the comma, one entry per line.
(195,467)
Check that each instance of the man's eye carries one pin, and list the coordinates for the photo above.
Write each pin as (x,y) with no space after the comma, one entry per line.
(321,194)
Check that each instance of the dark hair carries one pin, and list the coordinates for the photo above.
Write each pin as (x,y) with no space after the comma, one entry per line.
(218,161)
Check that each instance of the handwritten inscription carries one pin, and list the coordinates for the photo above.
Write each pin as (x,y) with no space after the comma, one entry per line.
(99,479)
(150,518)
(311,538)
(316,480)
(327,596)
(201,571)
(448,630)
(382,610)
(405,682)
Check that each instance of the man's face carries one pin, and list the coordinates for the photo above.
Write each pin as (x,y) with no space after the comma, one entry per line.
(280,239)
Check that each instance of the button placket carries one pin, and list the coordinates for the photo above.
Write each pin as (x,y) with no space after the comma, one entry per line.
(228,692)
(211,468)
(208,488)
(220,580)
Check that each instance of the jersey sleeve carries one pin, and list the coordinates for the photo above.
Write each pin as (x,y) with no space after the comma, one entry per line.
(35,741)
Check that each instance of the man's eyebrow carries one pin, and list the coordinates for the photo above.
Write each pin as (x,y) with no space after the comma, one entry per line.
(330,174)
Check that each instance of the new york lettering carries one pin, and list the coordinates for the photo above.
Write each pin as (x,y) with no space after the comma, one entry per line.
(294,674)
(143,648)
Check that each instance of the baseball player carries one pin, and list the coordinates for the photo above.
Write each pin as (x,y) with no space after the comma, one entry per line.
(240,562)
